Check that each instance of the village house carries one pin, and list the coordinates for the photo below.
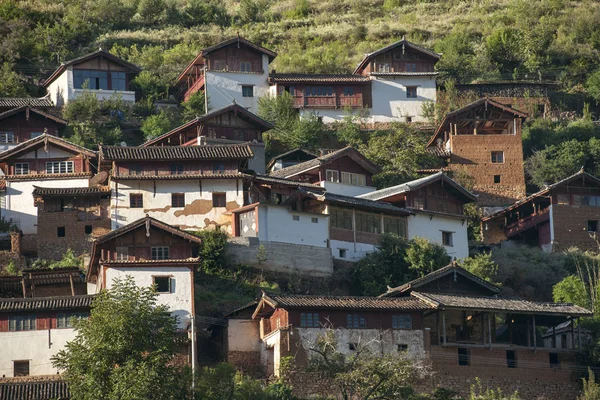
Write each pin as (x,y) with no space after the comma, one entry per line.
(43,389)
(186,186)
(23,123)
(562,215)
(235,70)
(288,159)
(345,171)
(231,124)
(70,218)
(102,73)
(153,253)
(44,161)
(482,143)
(43,282)
(450,318)
(436,203)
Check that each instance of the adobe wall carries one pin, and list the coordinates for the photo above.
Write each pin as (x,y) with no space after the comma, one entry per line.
(493,231)
(472,155)
(570,227)
(282,257)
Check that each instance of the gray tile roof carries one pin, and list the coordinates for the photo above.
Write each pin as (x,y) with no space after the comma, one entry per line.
(13,102)
(482,303)
(46,303)
(317,78)
(282,181)
(172,153)
(39,390)
(345,302)
(402,42)
(70,191)
(349,201)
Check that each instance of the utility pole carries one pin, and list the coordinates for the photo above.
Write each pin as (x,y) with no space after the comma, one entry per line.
(193,354)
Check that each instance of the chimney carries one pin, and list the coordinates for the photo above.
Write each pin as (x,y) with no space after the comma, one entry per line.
(15,242)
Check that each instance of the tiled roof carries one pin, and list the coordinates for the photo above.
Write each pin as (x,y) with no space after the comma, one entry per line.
(324,159)
(317,78)
(349,201)
(482,303)
(39,390)
(45,139)
(70,191)
(282,181)
(41,177)
(241,40)
(288,153)
(193,261)
(416,184)
(433,73)
(46,303)
(448,269)
(402,42)
(179,176)
(345,302)
(168,153)
(13,102)
(150,222)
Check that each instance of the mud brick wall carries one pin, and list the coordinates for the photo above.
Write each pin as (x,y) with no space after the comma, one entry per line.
(246,361)
(472,155)
(570,227)
(493,231)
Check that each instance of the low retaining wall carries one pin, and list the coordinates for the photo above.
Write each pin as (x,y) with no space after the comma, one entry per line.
(282,257)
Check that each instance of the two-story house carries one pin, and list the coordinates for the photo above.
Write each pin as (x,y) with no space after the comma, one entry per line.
(185,186)
(437,206)
(100,72)
(235,70)
(23,123)
(482,141)
(45,161)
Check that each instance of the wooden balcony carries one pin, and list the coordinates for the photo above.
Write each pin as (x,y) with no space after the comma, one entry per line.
(528,222)
(196,86)
(333,102)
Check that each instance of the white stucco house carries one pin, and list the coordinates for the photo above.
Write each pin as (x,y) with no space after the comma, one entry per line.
(102,73)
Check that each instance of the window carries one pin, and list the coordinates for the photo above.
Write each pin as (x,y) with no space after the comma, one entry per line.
(332,175)
(95,80)
(342,253)
(348,91)
(246,66)
(88,229)
(247,91)
(22,168)
(403,321)
(394,225)
(368,222)
(219,200)
(315,91)
(511,359)
(177,199)
(66,320)
(349,178)
(497,157)
(592,226)
(496,178)
(463,356)
(383,67)
(162,284)
(59,167)
(314,220)
(21,368)
(136,200)
(295,218)
(219,169)
(60,231)
(176,169)
(7,137)
(309,320)
(33,135)
(447,238)
(408,119)
(419,203)
(218,65)
(21,323)
(443,206)
(563,199)
(411,92)
(340,218)
(355,321)
(160,253)
(118,81)
(122,253)
(135,170)
(410,67)
(403,348)
(553,358)
(589,201)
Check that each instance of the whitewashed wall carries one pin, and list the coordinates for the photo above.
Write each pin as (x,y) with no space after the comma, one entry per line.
(126,95)
(158,205)
(179,302)
(223,87)
(61,89)
(18,200)
(346,190)
(276,224)
(420,225)
(243,335)
(390,102)
(354,251)
(36,346)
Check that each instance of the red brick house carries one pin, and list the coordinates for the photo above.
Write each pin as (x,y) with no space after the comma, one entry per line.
(483,142)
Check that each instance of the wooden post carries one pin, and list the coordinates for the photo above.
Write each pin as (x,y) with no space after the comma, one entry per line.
(554,337)
(444,326)
(489,331)
(72,285)
(528,335)
(482,329)
(510,335)
(578,334)
(534,335)
(572,333)
(439,331)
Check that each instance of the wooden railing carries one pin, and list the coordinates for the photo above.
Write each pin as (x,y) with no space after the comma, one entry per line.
(527,222)
(328,101)
(194,88)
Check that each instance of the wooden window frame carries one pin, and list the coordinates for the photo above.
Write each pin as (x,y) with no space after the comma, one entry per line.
(160,252)
(168,282)
(216,200)
(136,200)
(19,168)
(177,200)
(412,92)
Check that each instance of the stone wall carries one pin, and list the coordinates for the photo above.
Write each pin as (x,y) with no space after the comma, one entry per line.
(282,257)
(570,227)
(246,361)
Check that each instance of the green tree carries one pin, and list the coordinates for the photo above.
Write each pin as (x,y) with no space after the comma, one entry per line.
(591,390)
(424,256)
(11,84)
(593,86)
(124,350)
(194,106)
(157,124)
(482,266)
(571,290)
(212,250)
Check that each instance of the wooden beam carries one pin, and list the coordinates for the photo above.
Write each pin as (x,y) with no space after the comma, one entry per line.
(534,334)
(489,331)
(444,326)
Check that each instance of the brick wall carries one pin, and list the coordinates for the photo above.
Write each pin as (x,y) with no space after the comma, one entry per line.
(246,361)
(570,227)
(493,231)
(472,155)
